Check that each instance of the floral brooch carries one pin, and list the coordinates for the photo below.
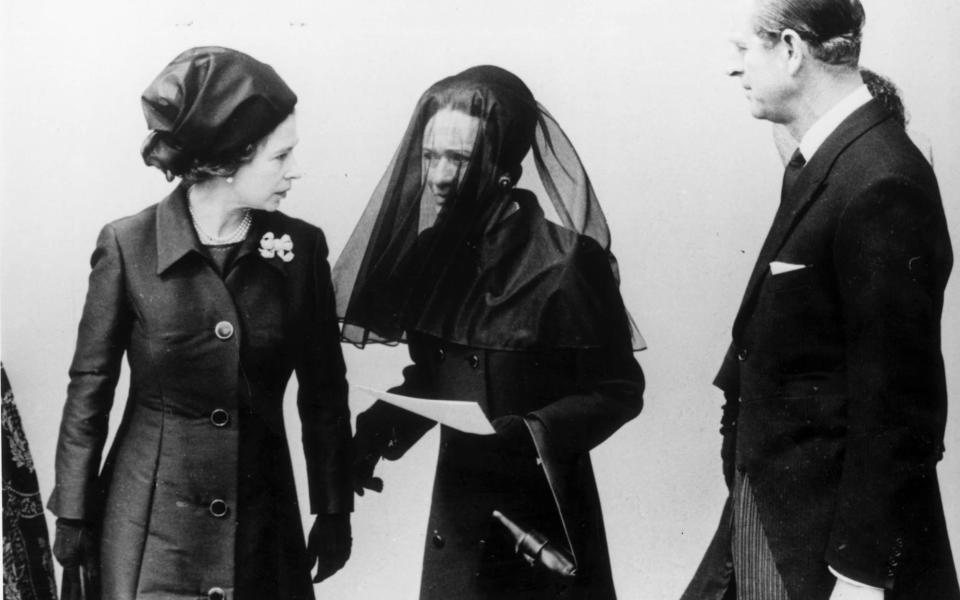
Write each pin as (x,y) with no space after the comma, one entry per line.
(281,247)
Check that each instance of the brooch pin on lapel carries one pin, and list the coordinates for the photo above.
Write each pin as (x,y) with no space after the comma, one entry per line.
(281,247)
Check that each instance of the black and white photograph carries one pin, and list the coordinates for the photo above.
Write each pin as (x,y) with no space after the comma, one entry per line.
(480,300)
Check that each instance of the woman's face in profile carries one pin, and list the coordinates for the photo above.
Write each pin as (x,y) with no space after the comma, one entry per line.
(448,141)
(264,181)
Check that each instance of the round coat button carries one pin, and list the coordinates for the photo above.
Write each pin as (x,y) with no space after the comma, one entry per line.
(218,508)
(216,593)
(742,355)
(223,330)
(474,361)
(219,417)
(438,541)
(441,354)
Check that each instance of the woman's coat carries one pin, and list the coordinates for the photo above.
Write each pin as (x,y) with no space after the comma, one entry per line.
(467,553)
(570,400)
(197,494)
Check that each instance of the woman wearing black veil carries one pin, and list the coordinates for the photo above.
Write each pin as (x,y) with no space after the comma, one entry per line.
(502,307)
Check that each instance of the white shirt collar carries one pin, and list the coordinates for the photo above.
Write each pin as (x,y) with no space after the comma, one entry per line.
(831,119)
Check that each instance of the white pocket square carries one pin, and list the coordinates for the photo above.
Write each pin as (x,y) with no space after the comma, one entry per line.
(777,267)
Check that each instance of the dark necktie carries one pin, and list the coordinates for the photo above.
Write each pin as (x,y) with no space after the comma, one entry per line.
(791,172)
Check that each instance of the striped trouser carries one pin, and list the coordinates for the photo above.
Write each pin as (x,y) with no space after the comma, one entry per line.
(753,565)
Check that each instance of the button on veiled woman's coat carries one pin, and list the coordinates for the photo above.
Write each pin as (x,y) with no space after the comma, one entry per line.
(218,508)
(216,593)
(219,417)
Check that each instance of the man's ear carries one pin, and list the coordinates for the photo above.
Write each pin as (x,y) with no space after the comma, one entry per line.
(795,49)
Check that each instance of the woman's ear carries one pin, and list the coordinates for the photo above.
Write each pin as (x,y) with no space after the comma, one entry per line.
(510,178)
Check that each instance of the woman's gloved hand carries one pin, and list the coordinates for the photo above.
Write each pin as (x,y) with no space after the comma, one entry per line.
(363,474)
(75,545)
(367,452)
(329,544)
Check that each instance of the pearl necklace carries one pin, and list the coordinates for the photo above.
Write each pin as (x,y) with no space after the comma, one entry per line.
(210,240)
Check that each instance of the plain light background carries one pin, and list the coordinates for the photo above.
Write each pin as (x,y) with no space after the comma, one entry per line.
(688,180)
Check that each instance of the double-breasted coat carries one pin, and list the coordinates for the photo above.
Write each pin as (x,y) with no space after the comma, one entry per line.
(572,399)
(197,495)
(836,398)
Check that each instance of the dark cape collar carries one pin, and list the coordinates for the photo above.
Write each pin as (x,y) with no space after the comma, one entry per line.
(527,284)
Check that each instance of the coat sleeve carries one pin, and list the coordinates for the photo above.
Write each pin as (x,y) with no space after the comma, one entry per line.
(101,342)
(578,423)
(611,380)
(322,400)
(892,254)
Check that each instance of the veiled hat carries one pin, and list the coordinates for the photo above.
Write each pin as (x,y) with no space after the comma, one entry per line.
(488,271)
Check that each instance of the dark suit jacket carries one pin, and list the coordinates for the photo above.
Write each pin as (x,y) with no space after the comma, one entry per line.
(836,398)
(199,477)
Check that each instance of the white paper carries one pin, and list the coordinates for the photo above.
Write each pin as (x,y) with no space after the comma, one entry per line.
(464,415)
(777,267)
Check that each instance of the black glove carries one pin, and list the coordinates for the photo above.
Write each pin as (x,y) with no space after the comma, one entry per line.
(75,544)
(368,446)
(728,429)
(77,549)
(363,478)
(729,463)
(329,544)
(514,435)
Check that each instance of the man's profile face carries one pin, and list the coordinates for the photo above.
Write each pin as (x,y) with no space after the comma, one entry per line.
(759,64)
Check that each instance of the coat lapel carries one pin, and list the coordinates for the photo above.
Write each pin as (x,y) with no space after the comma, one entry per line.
(806,189)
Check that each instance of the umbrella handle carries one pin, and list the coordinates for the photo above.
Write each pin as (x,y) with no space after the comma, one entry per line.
(537,549)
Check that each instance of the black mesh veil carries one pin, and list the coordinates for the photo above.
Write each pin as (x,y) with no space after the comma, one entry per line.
(470,269)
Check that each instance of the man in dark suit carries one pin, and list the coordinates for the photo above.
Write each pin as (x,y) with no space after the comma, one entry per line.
(834,381)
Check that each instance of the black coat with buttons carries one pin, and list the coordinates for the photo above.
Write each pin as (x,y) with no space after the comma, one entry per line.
(197,496)
(836,399)
(573,400)
(538,473)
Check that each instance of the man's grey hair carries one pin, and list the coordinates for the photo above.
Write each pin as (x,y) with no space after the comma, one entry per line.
(831,28)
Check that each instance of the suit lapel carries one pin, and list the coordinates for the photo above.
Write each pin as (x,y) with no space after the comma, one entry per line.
(806,189)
